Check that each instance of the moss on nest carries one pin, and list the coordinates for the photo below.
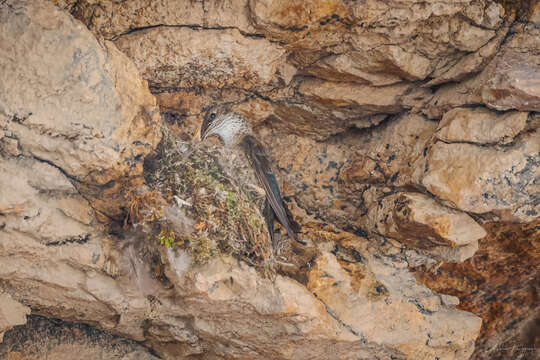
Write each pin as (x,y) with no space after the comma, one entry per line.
(226,214)
(201,248)
(167,237)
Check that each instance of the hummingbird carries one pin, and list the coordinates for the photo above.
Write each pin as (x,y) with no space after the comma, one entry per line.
(235,132)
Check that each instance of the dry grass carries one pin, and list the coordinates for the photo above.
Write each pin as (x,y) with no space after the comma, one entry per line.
(226,214)
(144,208)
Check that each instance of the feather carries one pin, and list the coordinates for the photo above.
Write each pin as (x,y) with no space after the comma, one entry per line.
(269,217)
(260,162)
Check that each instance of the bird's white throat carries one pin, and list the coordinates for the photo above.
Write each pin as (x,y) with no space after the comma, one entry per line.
(231,128)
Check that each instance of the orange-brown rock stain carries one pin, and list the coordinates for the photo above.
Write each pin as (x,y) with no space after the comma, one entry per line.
(441,225)
(417,234)
(305,14)
(355,266)
(522,8)
(499,283)
(357,274)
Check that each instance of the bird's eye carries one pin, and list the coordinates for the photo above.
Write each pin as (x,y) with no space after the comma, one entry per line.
(212,116)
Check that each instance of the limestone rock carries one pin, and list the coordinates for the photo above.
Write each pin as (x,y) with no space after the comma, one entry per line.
(238,62)
(171,43)
(364,285)
(42,204)
(481,126)
(139,355)
(467,176)
(417,220)
(284,15)
(359,298)
(355,66)
(534,15)
(342,105)
(509,81)
(515,80)
(372,99)
(329,178)
(392,154)
(12,313)
(469,37)
(369,110)
(71,102)
(473,62)
(484,284)
(112,19)
(215,299)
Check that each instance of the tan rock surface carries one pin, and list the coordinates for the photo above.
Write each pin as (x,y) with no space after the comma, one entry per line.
(114,19)
(498,284)
(419,221)
(467,176)
(514,81)
(355,66)
(372,99)
(368,108)
(71,103)
(473,62)
(218,297)
(508,81)
(209,58)
(271,43)
(481,126)
(42,204)
(363,298)
(12,313)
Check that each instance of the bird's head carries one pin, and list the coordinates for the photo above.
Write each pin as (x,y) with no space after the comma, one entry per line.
(220,121)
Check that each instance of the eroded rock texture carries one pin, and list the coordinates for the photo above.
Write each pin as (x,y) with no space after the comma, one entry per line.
(404,134)
(42,338)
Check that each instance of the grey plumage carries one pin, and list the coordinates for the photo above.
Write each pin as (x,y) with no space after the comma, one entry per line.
(234,130)
(260,162)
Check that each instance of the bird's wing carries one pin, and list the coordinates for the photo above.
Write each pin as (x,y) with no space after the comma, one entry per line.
(269,217)
(260,162)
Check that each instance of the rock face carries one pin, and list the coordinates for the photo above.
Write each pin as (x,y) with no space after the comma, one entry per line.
(481,126)
(498,284)
(404,135)
(42,338)
(508,187)
(240,62)
(420,222)
(13,313)
(71,109)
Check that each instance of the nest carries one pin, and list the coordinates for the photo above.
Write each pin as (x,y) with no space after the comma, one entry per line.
(222,215)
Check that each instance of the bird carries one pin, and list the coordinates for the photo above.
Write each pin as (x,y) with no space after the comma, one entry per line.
(235,132)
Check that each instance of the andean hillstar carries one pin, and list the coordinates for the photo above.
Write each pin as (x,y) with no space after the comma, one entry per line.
(235,132)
